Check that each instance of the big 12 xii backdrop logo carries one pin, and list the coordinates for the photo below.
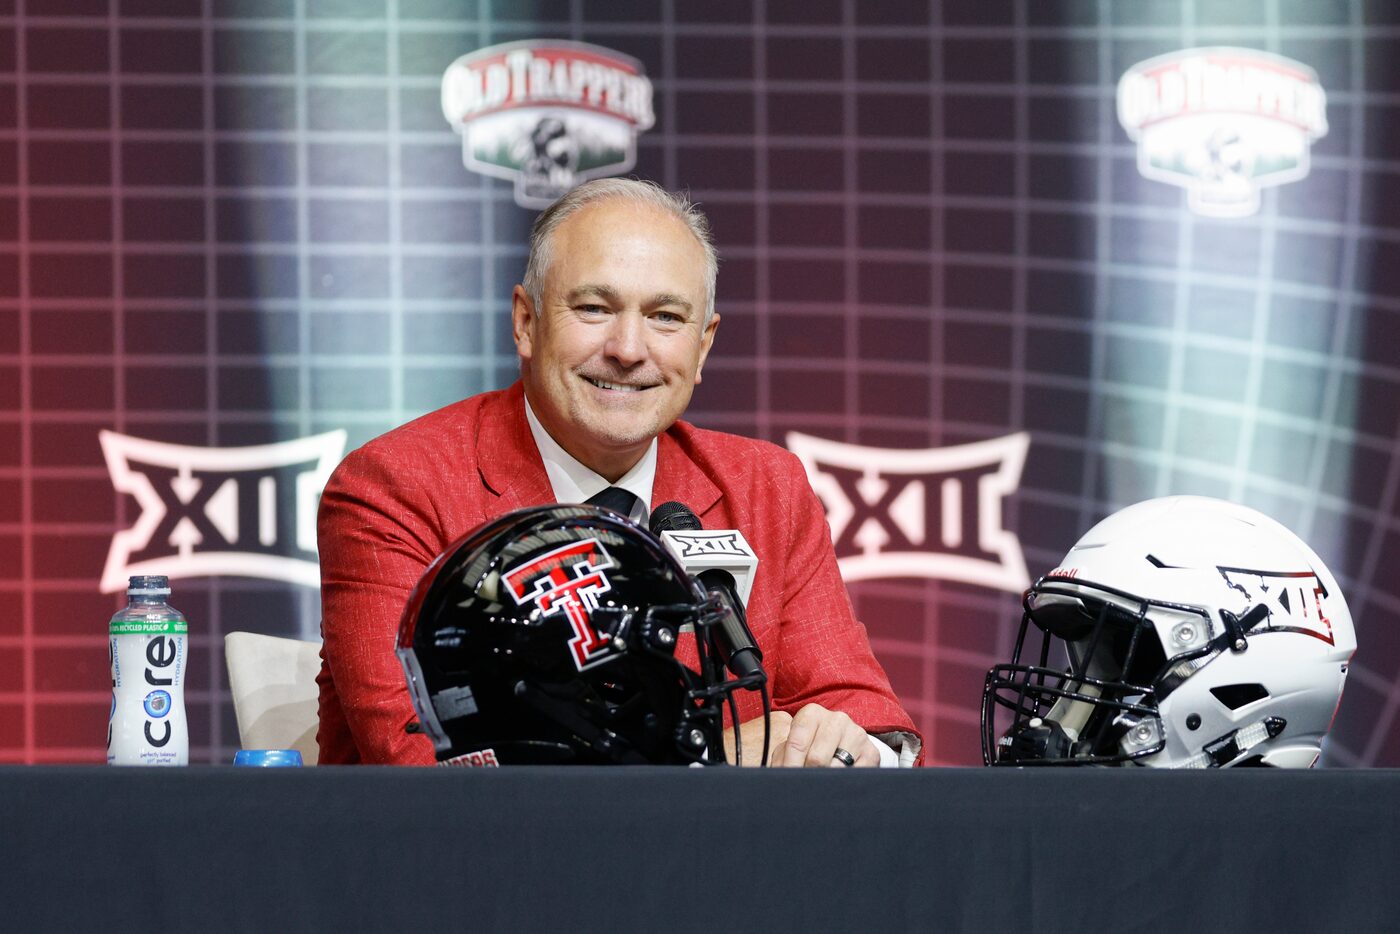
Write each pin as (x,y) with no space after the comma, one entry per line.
(247,511)
(934,512)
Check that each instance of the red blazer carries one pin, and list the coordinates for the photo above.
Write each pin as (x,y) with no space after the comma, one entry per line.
(393,505)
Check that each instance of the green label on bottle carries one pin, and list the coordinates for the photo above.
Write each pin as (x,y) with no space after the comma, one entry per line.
(144,627)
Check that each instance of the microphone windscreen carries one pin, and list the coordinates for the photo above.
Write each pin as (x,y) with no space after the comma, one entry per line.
(674,517)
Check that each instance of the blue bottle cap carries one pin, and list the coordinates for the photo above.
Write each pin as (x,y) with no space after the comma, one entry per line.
(267,757)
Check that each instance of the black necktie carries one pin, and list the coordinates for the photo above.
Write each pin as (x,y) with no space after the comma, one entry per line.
(618,500)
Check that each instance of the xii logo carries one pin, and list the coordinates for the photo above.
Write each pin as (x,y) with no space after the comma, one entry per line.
(920,513)
(248,511)
(1293,598)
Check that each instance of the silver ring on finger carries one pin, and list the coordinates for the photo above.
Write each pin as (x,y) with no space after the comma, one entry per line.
(843,757)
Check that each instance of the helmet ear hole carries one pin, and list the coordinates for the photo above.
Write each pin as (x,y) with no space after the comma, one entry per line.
(1235,696)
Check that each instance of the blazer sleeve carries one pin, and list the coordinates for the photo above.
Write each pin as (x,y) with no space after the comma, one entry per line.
(825,655)
(375,543)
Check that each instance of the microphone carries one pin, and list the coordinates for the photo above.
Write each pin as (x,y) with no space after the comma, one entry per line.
(724,564)
(698,550)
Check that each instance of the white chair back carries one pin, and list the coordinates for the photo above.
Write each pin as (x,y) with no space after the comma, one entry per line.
(273,682)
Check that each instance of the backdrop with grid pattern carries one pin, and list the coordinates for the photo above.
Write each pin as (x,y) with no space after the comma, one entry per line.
(231,222)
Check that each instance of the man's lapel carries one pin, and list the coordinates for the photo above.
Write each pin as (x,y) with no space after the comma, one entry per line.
(507,458)
(679,479)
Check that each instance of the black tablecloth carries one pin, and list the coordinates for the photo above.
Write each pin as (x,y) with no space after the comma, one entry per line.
(653,849)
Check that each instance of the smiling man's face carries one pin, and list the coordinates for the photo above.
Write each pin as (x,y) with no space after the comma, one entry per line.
(611,358)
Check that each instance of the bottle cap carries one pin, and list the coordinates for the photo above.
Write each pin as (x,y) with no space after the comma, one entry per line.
(267,758)
(149,585)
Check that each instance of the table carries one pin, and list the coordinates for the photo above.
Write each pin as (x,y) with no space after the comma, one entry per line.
(672,849)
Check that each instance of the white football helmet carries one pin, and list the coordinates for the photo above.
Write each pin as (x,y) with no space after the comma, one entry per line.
(1181,632)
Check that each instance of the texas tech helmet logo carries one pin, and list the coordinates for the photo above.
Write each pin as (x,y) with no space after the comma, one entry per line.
(569,580)
(547,114)
(247,511)
(920,513)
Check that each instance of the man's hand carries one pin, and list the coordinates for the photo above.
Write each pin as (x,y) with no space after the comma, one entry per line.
(816,733)
(809,739)
(752,736)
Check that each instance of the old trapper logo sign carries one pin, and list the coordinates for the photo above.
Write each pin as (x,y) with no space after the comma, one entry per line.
(548,114)
(920,513)
(248,511)
(1222,123)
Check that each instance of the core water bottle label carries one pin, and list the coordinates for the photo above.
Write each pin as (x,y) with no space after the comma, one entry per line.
(157,704)
(142,627)
(146,724)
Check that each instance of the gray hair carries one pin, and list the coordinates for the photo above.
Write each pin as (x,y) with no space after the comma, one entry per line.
(617,189)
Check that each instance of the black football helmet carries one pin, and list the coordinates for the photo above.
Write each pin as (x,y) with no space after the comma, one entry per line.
(548,636)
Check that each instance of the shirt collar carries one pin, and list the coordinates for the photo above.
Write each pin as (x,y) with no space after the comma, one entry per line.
(572,482)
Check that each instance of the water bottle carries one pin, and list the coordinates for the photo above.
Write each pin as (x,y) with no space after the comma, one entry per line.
(147,643)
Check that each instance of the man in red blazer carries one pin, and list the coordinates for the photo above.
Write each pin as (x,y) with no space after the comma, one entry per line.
(612,324)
